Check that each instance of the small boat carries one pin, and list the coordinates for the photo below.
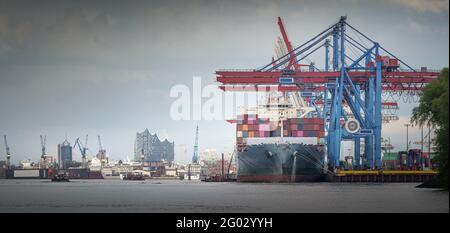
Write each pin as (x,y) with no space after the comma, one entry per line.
(60,178)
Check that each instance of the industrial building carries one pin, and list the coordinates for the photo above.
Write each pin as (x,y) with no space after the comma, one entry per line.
(150,148)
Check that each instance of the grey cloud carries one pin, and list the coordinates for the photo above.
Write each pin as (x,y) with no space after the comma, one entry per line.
(434,6)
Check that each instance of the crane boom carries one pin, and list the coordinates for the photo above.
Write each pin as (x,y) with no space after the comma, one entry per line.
(85,143)
(8,153)
(6,146)
(43,142)
(293,59)
(99,143)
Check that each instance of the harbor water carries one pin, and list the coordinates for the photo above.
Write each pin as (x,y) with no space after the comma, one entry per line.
(195,196)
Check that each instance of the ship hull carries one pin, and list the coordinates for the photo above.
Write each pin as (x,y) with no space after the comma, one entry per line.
(281,163)
(26,174)
(83,173)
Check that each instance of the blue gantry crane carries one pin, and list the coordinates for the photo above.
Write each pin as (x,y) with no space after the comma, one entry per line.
(83,149)
(347,92)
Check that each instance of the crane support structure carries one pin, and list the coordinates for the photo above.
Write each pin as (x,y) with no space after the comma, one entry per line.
(357,72)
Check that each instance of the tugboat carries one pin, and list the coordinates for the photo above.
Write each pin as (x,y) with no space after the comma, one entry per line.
(60,177)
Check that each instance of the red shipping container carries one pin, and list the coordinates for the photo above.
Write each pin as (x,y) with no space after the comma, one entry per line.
(308,127)
(308,121)
(318,121)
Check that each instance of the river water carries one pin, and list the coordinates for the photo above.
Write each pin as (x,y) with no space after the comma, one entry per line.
(195,196)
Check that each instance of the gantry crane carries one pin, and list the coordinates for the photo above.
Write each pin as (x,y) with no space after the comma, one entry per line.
(8,153)
(350,87)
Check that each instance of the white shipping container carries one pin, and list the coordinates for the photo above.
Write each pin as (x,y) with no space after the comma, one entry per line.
(280,140)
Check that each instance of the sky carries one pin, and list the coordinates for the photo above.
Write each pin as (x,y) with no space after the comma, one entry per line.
(71,68)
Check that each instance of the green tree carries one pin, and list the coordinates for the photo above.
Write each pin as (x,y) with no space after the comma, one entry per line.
(433,110)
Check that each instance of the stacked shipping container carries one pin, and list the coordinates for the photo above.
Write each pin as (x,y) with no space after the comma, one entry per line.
(251,126)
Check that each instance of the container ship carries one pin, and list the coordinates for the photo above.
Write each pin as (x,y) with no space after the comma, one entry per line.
(276,144)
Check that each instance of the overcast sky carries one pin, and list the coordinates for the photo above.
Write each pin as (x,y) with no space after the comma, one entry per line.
(106,67)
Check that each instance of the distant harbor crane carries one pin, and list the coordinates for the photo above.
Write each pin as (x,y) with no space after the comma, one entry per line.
(8,153)
(195,156)
(101,155)
(83,149)
(43,142)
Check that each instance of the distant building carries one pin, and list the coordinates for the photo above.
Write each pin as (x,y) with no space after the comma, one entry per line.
(171,171)
(47,161)
(152,148)
(64,154)
(26,164)
(214,168)
(209,155)
(192,171)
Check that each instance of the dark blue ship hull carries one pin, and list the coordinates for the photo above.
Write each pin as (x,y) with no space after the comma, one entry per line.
(281,163)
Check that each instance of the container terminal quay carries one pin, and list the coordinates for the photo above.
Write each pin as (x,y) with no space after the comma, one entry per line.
(294,135)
